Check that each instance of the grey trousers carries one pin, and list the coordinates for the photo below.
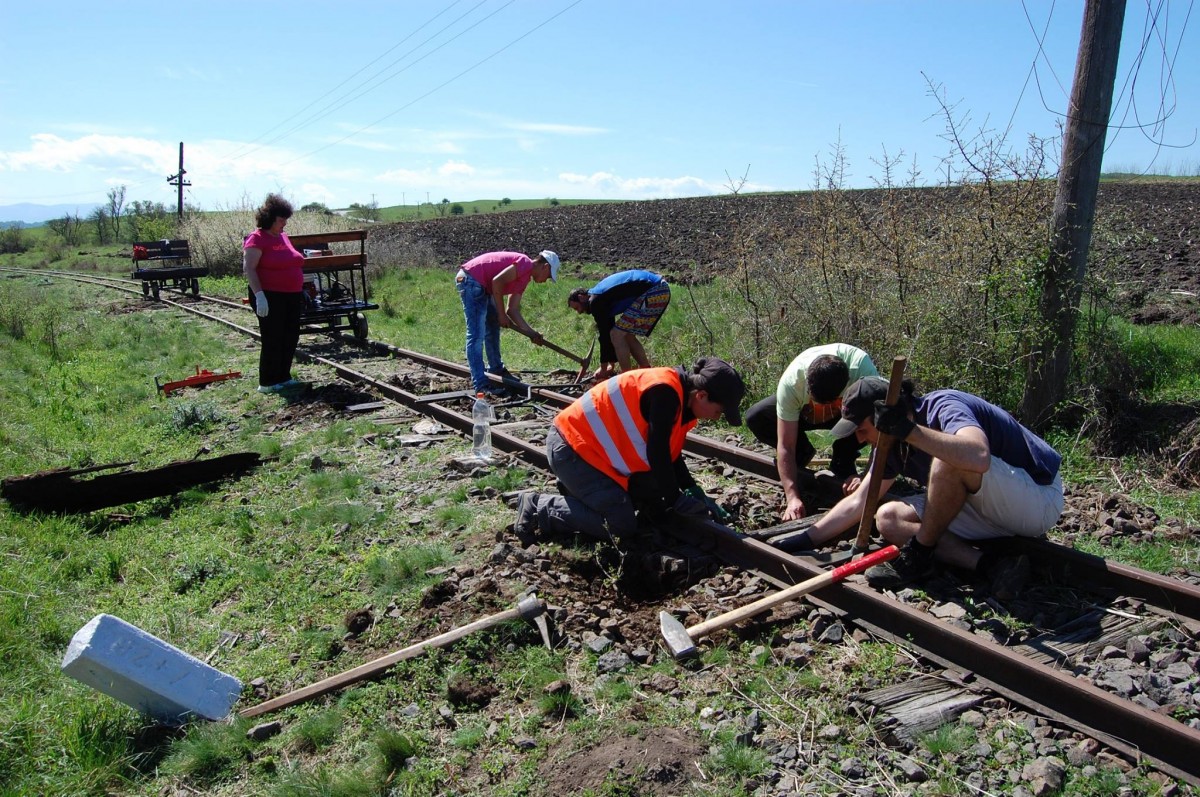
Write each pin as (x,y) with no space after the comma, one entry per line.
(597,506)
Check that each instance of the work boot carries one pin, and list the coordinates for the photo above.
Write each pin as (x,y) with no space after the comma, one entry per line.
(913,564)
(504,373)
(1009,577)
(526,525)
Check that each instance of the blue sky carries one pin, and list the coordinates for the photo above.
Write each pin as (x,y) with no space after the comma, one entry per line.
(633,99)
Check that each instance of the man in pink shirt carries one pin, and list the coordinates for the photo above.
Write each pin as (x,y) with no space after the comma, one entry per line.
(483,283)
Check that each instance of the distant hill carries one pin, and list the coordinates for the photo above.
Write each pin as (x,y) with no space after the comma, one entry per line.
(31,214)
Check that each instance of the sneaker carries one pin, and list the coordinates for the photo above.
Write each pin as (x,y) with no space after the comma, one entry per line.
(526,523)
(1009,577)
(504,373)
(906,568)
(270,388)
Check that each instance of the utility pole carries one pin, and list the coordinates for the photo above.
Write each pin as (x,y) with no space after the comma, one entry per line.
(177,179)
(1074,209)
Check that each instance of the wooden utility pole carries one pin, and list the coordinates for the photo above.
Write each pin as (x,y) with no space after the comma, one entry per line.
(1074,208)
(177,179)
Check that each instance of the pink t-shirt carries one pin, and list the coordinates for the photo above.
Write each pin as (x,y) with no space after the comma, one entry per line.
(281,267)
(483,269)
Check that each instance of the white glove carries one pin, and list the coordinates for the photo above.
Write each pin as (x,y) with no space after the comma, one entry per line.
(260,304)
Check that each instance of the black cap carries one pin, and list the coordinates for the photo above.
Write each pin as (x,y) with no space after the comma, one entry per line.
(858,404)
(724,385)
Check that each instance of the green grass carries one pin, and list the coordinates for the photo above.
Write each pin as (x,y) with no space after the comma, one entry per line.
(274,561)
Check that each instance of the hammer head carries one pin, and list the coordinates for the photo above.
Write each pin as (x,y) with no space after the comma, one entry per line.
(531,607)
(676,637)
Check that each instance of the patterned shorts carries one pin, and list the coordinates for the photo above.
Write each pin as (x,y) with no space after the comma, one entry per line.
(641,316)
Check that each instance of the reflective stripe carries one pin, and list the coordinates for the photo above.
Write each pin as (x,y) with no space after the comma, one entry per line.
(628,425)
(603,435)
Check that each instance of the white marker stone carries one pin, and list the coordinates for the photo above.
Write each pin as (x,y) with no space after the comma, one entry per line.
(142,671)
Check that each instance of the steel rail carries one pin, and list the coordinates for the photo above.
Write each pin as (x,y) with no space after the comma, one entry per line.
(1122,724)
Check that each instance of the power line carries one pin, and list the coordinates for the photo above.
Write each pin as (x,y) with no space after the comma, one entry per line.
(334,104)
(337,105)
(440,86)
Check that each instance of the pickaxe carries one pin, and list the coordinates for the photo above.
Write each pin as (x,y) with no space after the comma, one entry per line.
(584,362)
(529,607)
(878,461)
(682,641)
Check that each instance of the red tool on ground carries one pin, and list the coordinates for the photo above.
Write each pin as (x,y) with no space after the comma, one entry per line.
(202,377)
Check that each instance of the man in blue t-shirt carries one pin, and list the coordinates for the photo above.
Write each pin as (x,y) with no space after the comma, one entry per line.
(626,306)
(985,476)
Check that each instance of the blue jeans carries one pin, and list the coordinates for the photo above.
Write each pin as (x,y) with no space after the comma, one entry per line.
(483,330)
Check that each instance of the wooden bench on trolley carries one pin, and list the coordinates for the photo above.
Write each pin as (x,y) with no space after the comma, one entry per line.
(335,282)
(166,264)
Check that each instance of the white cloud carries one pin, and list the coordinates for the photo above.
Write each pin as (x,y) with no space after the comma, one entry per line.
(453,168)
(606,185)
(556,129)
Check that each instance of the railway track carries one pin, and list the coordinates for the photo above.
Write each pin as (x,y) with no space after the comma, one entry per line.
(1046,672)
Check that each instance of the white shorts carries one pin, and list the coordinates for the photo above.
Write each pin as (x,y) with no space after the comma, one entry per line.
(1009,504)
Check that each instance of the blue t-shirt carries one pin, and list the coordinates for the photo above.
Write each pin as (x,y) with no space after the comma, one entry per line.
(636,281)
(950,410)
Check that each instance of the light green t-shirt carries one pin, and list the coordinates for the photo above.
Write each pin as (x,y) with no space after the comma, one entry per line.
(792,393)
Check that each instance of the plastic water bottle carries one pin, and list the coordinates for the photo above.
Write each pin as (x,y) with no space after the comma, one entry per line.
(481,431)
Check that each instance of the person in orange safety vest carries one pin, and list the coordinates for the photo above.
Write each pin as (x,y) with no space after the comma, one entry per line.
(619,448)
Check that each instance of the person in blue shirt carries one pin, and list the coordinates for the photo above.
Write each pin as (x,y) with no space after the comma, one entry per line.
(626,306)
(985,475)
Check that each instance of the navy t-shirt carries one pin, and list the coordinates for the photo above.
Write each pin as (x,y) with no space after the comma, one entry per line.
(950,410)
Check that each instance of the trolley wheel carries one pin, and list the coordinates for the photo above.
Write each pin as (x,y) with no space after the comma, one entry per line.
(145,289)
(196,287)
(360,327)
(154,291)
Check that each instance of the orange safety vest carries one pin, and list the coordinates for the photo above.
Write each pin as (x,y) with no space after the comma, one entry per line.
(606,429)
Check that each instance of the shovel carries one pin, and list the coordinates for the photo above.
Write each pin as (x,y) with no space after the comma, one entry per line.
(682,641)
(875,472)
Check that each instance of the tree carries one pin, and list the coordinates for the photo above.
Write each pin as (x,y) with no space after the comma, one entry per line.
(506,201)
(316,207)
(99,217)
(456,209)
(67,228)
(116,204)
(12,239)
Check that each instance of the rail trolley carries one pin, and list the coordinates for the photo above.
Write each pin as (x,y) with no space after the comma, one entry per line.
(165,264)
(335,283)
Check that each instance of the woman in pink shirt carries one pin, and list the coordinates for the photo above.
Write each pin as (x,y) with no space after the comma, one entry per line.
(274,270)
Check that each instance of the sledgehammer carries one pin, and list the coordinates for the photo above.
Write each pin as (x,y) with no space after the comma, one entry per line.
(682,641)
(529,607)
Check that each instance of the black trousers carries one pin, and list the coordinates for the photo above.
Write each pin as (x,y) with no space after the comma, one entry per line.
(761,421)
(280,332)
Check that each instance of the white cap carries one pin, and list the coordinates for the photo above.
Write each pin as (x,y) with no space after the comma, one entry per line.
(552,259)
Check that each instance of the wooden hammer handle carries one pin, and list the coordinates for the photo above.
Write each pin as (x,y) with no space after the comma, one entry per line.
(791,593)
(376,666)
(878,462)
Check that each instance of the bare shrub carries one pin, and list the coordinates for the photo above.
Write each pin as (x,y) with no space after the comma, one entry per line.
(944,277)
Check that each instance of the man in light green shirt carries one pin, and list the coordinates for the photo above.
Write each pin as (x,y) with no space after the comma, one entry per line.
(809,397)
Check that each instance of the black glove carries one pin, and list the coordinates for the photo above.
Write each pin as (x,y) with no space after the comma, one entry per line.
(892,419)
(690,506)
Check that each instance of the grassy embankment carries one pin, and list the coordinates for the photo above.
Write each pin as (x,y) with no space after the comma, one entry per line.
(261,572)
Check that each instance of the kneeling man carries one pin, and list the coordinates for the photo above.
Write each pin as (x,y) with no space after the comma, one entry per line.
(985,476)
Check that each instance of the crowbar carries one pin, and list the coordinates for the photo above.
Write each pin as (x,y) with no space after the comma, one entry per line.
(682,641)
(875,472)
(529,607)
